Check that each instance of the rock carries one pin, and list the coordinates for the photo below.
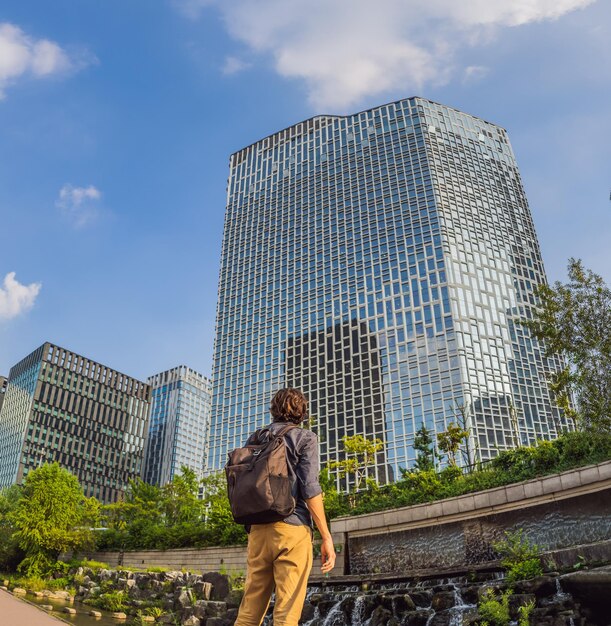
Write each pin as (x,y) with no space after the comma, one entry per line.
(69,610)
(234,598)
(540,586)
(215,621)
(63,595)
(443,600)
(118,615)
(184,599)
(4,587)
(202,589)
(421,597)
(517,600)
(95,613)
(232,615)
(307,613)
(192,621)
(173,575)
(470,594)
(416,618)
(380,616)
(18,591)
(442,618)
(131,583)
(147,618)
(37,594)
(46,607)
(220,585)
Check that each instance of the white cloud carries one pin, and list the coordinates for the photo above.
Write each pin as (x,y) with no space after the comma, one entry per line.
(22,55)
(16,298)
(233,65)
(346,50)
(79,204)
(473,73)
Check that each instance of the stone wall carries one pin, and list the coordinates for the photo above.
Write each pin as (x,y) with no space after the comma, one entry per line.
(230,559)
(556,512)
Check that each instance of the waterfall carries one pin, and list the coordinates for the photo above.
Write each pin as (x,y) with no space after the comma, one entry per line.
(356,618)
(459,608)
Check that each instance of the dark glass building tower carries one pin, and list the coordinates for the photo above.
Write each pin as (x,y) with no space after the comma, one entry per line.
(380,262)
(62,407)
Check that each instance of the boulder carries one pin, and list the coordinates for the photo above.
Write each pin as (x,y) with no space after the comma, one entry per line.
(69,610)
(220,585)
(380,616)
(183,599)
(443,600)
(416,618)
(192,621)
(18,591)
(202,589)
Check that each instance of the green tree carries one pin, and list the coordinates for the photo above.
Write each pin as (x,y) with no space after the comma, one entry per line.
(450,440)
(134,519)
(52,516)
(423,444)
(10,554)
(220,528)
(180,498)
(360,454)
(573,322)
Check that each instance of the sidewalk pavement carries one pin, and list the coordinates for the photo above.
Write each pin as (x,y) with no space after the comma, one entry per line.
(15,612)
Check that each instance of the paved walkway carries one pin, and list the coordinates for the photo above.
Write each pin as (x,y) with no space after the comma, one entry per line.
(15,612)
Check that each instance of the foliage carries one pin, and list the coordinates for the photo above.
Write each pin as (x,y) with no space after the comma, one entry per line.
(450,440)
(110,601)
(52,516)
(179,499)
(524,613)
(360,455)
(494,609)
(172,517)
(573,322)
(423,444)
(520,557)
(10,553)
(220,527)
(570,450)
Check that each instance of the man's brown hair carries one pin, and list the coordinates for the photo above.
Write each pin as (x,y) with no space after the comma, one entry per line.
(289,405)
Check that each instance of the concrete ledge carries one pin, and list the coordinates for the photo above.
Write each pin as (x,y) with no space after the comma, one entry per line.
(516,496)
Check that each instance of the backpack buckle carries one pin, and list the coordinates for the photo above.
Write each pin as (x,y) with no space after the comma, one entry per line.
(256,452)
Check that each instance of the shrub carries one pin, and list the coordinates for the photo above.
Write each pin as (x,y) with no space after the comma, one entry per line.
(111,601)
(520,557)
(494,609)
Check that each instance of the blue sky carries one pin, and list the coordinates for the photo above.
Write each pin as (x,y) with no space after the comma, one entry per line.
(117,120)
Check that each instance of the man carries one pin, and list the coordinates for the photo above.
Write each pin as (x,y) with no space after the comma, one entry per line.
(280,553)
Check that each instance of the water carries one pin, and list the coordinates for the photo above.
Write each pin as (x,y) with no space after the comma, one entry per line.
(458,610)
(81,618)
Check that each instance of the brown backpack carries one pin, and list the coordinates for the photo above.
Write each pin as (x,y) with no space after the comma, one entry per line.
(258,479)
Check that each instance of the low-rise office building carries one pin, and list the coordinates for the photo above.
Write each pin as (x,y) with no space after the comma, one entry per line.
(91,419)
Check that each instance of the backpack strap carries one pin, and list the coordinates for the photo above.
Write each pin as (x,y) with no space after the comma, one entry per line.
(285,430)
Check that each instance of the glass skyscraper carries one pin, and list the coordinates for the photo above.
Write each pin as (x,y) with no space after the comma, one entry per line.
(381,262)
(60,406)
(180,417)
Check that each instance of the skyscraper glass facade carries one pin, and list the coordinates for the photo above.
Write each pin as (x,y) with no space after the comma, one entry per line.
(60,406)
(380,262)
(180,417)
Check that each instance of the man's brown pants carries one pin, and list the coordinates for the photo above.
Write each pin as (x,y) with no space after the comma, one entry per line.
(280,556)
